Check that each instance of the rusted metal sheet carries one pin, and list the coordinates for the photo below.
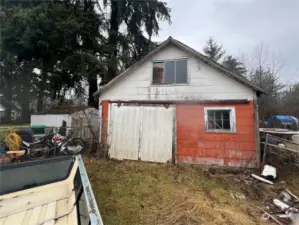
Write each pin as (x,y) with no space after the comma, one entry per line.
(195,145)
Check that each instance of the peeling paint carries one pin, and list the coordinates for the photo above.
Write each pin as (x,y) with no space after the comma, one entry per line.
(196,146)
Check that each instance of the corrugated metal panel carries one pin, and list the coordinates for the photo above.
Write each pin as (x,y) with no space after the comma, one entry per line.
(125,125)
(156,134)
(141,132)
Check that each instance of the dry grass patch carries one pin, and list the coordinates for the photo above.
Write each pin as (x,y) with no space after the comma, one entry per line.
(133,193)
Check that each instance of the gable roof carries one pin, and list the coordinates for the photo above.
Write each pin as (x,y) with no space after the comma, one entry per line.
(192,52)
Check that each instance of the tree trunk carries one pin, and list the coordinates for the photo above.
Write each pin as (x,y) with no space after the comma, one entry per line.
(92,81)
(41,92)
(93,87)
(8,102)
(112,41)
(40,99)
(25,104)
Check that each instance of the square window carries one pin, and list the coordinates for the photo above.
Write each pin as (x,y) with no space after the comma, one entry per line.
(220,119)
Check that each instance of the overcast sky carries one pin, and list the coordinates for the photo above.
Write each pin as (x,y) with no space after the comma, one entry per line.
(239,25)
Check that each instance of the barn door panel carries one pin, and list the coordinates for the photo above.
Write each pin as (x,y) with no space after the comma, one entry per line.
(125,132)
(156,134)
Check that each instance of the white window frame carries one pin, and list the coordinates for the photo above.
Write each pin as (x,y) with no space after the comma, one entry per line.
(167,60)
(232,120)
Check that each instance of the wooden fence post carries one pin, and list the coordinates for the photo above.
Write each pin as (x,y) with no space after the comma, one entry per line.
(265,149)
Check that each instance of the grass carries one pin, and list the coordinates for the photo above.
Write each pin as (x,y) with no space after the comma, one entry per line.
(131,193)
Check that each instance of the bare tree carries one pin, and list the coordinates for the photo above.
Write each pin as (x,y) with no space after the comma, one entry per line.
(266,73)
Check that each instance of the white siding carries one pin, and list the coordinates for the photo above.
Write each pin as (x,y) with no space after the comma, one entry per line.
(143,133)
(204,83)
(50,120)
(124,129)
(156,134)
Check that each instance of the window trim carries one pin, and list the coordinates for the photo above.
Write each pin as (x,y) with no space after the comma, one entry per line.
(167,60)
(232,120)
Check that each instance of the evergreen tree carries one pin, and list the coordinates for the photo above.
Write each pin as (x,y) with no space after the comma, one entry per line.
(52,35)
(213,51)
(136,16)
(234,65)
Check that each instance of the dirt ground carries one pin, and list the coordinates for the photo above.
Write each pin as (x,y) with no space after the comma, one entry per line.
(134,193)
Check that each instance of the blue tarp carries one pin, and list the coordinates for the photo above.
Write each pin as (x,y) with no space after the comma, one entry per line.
(282,119)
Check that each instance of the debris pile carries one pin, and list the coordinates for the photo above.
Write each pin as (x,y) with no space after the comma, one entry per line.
(280,155)
(286,209)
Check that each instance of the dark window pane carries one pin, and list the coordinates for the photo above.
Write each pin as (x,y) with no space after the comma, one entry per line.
(218,123)
(169,72)
(218,114)
(211,124)
(158,72)
(211,113)
(219,119)
(181,71)
(226,124)
(225,114)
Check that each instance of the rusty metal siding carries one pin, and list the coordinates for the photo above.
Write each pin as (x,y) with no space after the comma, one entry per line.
(141,132)
(197,146)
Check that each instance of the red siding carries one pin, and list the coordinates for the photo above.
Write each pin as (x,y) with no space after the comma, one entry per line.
(104,125)
(194,145)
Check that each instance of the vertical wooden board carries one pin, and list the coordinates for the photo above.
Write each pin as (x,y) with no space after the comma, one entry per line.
(15,218)
(35,215)
(125,132)
(156,135)
(257,132)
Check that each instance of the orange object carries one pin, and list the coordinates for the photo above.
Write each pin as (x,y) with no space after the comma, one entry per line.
(195,145)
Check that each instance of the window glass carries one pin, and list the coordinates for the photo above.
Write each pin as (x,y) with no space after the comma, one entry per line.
(158,71)
(181,71)
(169,72)
(218,119)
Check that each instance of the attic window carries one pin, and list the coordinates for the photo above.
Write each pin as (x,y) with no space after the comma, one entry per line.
(170,72)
